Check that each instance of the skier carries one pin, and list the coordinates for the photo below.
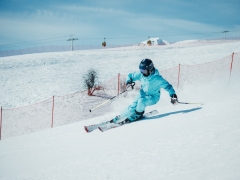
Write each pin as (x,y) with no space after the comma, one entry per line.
(149,94)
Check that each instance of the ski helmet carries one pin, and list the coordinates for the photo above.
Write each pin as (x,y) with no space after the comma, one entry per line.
(146,67)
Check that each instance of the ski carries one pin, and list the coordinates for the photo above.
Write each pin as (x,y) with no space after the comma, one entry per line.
(91,128)
(108,126)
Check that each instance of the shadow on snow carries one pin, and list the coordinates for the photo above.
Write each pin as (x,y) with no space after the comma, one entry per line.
(170,113)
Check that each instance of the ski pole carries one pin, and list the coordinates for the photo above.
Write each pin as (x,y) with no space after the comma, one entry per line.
(132,86)
(188,103)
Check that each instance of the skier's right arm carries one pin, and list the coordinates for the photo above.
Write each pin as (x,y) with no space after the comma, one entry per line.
(132,77)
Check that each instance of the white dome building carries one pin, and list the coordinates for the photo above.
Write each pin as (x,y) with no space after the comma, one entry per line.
(154,42)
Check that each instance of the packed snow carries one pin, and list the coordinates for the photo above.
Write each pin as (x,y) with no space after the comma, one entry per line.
(187,141)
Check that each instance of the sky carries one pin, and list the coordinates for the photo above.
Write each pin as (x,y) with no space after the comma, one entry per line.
(39,22)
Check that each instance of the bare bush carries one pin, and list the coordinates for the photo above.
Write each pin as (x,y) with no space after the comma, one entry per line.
(90,81)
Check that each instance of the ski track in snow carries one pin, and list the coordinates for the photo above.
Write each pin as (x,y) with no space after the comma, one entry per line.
(181,142)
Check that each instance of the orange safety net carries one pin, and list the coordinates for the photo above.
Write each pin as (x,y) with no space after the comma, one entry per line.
(60,110)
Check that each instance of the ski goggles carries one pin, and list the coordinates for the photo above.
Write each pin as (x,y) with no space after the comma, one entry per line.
(144,71)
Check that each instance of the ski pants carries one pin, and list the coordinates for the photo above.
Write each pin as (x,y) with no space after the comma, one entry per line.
(139,104)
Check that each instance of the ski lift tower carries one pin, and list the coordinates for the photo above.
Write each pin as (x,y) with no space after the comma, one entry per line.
(225,33)
(72,39)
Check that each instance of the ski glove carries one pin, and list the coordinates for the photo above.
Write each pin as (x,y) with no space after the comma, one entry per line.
(174,99)
(129,83)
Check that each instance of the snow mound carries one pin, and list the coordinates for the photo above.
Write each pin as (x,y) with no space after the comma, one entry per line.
(155,42)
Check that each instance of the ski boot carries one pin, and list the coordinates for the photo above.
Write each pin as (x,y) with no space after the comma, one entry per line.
(136,116)
(116,119)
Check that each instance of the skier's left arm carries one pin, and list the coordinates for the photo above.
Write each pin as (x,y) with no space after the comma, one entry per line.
(168,87)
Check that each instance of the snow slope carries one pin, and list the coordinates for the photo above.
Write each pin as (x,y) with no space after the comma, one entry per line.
(28,79)
(181,142)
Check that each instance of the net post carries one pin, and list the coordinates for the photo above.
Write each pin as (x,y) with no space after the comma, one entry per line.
(52,111)
(118,84)
(178,75)
(1,123)
(231,68)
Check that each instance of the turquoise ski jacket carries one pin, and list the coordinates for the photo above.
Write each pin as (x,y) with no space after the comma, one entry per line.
(152,84)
